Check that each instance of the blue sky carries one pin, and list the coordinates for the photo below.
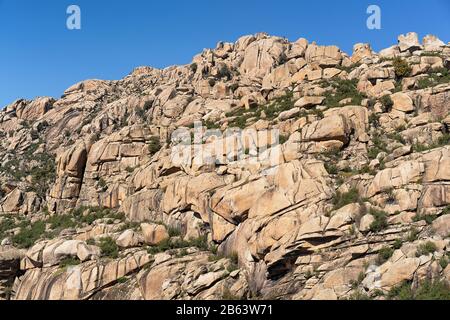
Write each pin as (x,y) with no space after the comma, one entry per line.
(39,56)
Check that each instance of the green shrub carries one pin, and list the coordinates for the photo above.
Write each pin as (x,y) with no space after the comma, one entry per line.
(200,243)
(224,72)
(271,110)
(342,199)
(331,168)
(193,67)
(211,125)
(102,183)
(372,153)
(168,244)
(94,214)
(427,290)
(435,77)
(69,261)
(343,89)
(387,103)
(174,232)
(283,139)
(443,262)
(385,254)
(397,244)
(122,280)
(401,67)
(442,141)
(29,233)
(428,218)
(397,136)
(359,296)
(6,224)
(413,235)
(446,210)
(426,249)
(374,119)
(380,223)
(61,222)
(109,247)
(154,145)
(140,113)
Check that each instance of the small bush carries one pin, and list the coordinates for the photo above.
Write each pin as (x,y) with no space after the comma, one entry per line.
(200,243)
(28,235)
(109,247)
(401,67)
(380,223)
(372,153)
(343,89)
(61,222)
(193,67)
(427,290)
(385,254)
(174,232)
(359,296)
(154,145)
(435,77)
(374,119)
(69,261)
(331,168)
(442,141)
(428,218)
(342,199)
(6,224)
(387,103)
(426,249)
(446,210)
(122,280)
(283,139)
(397,244)
(443,262)
(412,235)
(102,183)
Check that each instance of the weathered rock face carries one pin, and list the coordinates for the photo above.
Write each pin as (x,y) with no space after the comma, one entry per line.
(9,268)
(264,169)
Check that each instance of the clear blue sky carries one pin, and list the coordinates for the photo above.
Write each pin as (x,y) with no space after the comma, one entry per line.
(40,57)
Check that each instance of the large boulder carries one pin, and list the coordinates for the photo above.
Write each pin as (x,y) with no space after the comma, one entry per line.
(261,56)
(409,42)
(334,127)
(154,234)
(325,56)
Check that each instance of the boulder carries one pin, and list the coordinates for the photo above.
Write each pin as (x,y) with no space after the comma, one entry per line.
(154,234)
(409,42)
(309,102)
(402,102)
(361,51)
(432,43)
(129,239)
(442,226)
(399,271)
(330,128)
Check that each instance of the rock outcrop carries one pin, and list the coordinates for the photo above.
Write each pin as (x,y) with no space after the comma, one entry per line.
(264,169)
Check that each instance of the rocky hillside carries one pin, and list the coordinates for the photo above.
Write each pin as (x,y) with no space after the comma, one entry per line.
(265,169)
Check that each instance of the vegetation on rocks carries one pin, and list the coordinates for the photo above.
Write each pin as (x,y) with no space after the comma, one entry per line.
(427,290)
(229,225)
(401,67)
